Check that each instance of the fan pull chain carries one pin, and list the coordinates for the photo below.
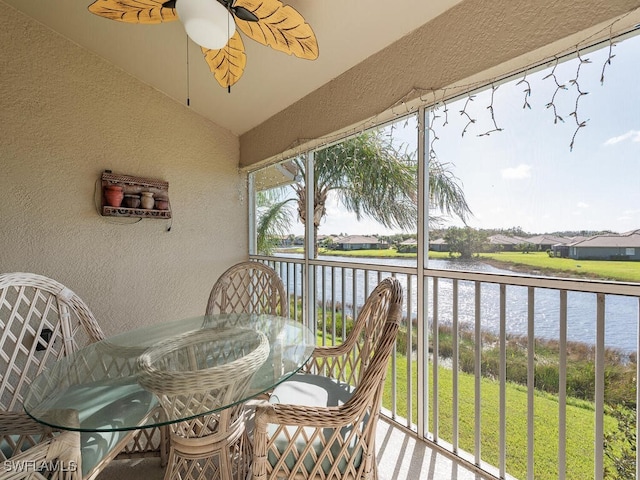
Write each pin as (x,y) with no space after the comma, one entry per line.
(188,78)
(229,40)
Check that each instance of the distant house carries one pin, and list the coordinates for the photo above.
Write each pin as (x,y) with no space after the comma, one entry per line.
(562,250)
(358,242)
(410,245)
(547,242)
(438,245)
(612,246)
(326,240)
(285,241)
(504,243)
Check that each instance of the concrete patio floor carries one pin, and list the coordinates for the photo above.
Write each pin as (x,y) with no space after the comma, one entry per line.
(399,457)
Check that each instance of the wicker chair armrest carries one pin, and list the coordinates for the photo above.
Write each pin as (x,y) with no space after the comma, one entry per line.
(62,452)
(331,351)
(304,416)
(17,423)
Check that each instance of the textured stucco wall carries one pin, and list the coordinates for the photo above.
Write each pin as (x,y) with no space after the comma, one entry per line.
(66,115)
(474,36)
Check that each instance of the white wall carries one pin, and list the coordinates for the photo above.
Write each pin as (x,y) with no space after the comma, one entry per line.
(65,116)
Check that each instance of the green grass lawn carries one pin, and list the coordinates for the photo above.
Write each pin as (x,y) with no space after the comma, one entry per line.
(580,421)
(603,269)
(580,424)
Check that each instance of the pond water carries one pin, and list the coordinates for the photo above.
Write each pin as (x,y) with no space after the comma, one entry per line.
(621,313)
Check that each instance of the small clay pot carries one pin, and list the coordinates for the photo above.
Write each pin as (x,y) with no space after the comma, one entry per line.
(132,201)
(162,203)
(113,195)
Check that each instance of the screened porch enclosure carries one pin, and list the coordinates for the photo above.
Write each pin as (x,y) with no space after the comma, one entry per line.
(521,372)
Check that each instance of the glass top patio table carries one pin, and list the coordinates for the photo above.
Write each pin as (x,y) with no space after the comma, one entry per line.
(106,386)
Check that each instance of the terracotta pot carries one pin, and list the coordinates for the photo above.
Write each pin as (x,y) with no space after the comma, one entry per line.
(113,195)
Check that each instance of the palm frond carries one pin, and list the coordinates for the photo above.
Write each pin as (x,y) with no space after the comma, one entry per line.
(273,219)
(371,178)
(445,191)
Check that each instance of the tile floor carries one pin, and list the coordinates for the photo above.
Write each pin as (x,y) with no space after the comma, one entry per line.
(400,457)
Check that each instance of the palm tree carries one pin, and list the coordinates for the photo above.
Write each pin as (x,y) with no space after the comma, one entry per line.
(370,177)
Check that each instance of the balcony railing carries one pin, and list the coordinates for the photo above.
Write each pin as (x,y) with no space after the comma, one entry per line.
(484,362)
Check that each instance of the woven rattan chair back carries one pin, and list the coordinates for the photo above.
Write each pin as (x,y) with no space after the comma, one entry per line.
(41,320)
(348,362)
(334,443)
(248,287)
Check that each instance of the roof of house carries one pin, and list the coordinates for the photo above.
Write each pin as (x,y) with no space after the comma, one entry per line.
(548,240)
(357,239)
(500,239)
(623,240)
(438,241)
(577,238)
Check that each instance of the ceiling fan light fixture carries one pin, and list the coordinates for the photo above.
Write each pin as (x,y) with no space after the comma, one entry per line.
(206,22)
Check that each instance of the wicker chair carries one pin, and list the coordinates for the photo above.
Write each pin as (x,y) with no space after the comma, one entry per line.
(321,424)
(217,443)
(248,287)
(41,320)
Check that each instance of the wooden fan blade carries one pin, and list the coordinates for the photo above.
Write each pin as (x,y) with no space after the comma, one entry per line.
(227,64)
(279,26)
(134,11)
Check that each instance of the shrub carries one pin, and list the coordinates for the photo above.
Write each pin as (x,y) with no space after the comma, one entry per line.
(581,380)
(620,385)
(467,360)
(547,378)
(620,445)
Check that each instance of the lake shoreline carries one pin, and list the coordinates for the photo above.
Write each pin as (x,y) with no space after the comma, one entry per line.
(502,265)
(545,272)
(515,267)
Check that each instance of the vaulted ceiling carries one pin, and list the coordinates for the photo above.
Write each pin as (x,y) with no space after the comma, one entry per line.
(162,56)
(372,53)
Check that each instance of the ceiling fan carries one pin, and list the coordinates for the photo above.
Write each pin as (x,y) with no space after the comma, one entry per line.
(212,25)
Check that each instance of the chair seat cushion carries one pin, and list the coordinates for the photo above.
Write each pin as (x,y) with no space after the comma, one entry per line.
(127,405)
(311,391)
(131,407)
(105,405)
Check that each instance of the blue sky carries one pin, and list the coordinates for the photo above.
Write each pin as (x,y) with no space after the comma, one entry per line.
(527,175)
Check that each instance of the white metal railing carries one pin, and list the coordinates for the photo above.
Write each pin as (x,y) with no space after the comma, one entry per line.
(509,307)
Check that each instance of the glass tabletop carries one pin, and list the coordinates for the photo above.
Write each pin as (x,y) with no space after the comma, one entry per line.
(188,367)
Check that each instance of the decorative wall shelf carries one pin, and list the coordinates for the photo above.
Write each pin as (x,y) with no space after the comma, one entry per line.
(132,189)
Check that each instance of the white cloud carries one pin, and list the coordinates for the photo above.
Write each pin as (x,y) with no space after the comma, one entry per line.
(517,173)
(633,135)
(583,205)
